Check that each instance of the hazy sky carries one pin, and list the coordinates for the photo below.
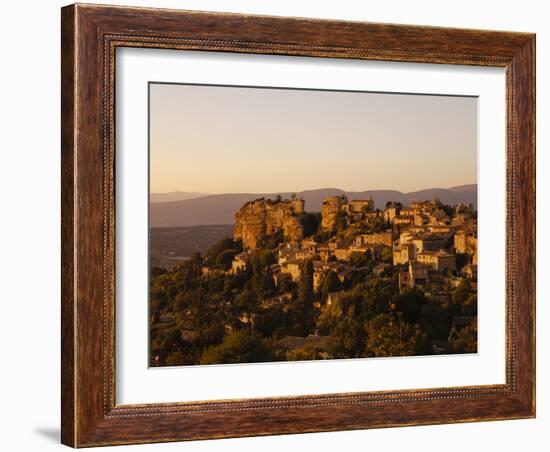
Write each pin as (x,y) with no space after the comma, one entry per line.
(214,139)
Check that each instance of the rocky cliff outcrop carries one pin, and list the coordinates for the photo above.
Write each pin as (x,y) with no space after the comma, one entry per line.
(258,219)
(330,210)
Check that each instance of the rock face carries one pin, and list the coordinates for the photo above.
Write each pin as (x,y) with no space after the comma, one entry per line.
(258,219)
(330,210)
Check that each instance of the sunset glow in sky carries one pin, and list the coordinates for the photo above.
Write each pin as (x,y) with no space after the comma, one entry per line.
(213,139)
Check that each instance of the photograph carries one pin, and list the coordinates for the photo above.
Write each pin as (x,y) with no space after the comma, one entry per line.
(291,224)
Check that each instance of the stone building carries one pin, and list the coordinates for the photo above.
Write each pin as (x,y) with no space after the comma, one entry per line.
(391,212)
(239,263)
(309,244)
(377,238)
(465,242)
(324,252)
(417,275)
(287,252)
(293,268)
(464,209)
(439,217)
(356,210)
(403,220)
(409,211)
(403,253)
(342,253)
(437,260)
(321,270)
(421,219)
(470,270)
(430,242)
(440,229)
(423,207)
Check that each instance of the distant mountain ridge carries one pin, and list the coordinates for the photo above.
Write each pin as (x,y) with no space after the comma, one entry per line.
(175,196)
(220,209)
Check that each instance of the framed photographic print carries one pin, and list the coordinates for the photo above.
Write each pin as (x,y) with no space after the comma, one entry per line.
(281,225)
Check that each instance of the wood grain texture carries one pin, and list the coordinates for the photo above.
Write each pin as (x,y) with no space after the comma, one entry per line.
(68,311)
(90,36)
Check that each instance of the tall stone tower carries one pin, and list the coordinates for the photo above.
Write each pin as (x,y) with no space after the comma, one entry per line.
(330,210)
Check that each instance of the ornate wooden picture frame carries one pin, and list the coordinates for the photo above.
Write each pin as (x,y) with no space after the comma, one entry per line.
(90,37)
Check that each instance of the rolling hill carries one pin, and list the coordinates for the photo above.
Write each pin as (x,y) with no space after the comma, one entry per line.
(220,209)
(174,196)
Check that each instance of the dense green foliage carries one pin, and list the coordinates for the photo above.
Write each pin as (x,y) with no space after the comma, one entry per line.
(239,347)
(201,312)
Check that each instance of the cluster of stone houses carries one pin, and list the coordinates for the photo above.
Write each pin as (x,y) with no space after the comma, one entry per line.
(422,238)
(334,255)
(291,256)
(355,211)
(430,241)
(418,244)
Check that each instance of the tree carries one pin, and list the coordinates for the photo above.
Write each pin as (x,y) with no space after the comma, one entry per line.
(461,260)
(159,298)
(347,339)
(386,255)
(393,204)
(341,222)
(391,336)
(246,303)
(360,259)
(224,259)
(307,352)
(331,283)
(462,292)
(262,281)
(191,270)
(322,236)
(210,334)
(435,321)
(260,260)
(239,347)
(303,308)
(271,322)
(272,242)
(305,285)
(465,340)
(182,301)
(175,359)
(410,303)
(376,224)
(377,294)
(199,307)
(168,341)
(285,283)
(157,271)
(469,308)
(449,211)
(310,222)
(221,246)
(347,305)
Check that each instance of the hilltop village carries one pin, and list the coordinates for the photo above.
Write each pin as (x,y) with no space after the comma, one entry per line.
(352,280)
